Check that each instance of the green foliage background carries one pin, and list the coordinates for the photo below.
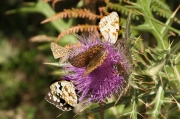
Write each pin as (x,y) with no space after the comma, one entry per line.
(24,79)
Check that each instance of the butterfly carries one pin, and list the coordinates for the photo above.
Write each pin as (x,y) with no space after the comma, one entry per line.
(62,94)
(59,52)
(92,58)
(120,68)
(109,27)
(96,62)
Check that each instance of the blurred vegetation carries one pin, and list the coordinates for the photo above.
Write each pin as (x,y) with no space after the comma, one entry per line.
(24,79)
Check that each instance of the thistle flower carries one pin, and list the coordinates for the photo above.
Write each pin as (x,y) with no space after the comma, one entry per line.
(105,80)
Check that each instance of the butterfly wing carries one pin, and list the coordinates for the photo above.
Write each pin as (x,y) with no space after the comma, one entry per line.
(63,59)
(69,93)
(109,27)
(58,51)
(80,60)
(96,62)
(62,94)
(58,102)
(83,58)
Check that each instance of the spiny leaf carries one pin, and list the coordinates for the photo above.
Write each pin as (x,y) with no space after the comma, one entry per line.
(173,51)
(127,35)
(134,110)
(178,105)
(157,102)
(123,100)
(169,22)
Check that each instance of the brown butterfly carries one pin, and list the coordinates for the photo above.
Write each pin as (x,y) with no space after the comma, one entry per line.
(120,68)
(95,62)
(91,58)
(59,52)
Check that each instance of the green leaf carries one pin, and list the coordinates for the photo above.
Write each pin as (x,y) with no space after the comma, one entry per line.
(169,22)
(157,103)
(134,110)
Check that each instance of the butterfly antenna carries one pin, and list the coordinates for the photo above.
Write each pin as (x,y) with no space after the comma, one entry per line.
(123,92)
(118,99)
(80,111)
(60,114)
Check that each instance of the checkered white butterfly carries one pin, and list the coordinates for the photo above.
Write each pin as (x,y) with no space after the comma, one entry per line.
(62,94)
(109,27)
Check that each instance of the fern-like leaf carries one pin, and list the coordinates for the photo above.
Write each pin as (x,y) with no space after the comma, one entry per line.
(102,10)
(68,13)
(161,4)
(53,2)
(164,13)
(76,29)
(47,0)
(122,10)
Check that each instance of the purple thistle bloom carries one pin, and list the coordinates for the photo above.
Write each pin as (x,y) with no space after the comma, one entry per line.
(104,81)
